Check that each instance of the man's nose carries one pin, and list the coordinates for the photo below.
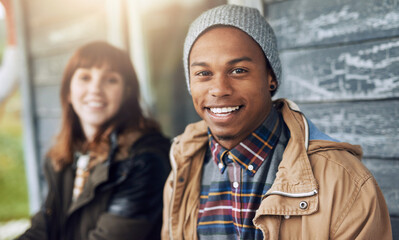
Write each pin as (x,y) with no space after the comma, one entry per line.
(221,86)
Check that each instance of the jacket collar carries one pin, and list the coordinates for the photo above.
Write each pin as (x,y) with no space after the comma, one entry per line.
(115,148)
(294,176)
(295,179)
(186,145)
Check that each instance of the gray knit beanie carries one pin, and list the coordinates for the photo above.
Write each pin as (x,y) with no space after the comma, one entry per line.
(247,19)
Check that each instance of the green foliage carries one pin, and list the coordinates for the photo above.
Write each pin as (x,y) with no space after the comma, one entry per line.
(13,186)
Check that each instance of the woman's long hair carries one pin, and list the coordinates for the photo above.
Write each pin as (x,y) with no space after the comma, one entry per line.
(129,117)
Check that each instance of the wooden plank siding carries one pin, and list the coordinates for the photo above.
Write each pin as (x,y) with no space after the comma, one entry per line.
(340,61)
(308,23)
(371,124)
(355,71)
(386,173)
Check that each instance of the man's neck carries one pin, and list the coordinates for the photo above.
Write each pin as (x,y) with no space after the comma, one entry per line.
(230,142)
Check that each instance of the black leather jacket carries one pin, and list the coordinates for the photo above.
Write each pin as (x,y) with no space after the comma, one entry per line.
(120,200)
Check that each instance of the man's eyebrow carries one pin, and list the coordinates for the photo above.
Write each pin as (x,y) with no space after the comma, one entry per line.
(241,59)
(231,62)
(201,64)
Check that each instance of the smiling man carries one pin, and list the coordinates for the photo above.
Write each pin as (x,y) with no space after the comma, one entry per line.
(256,168)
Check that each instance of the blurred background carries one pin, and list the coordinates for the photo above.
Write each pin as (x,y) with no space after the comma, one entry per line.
(340,64)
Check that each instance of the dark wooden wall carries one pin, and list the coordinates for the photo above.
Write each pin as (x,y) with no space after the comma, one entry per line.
(340,63)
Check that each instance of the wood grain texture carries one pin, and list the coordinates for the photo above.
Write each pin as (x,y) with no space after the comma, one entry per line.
(374,125)
(386,173)
(272,1)
(368,70)
(310,22)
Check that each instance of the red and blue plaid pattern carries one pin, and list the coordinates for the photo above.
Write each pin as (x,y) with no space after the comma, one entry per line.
(232,189)
(251,152)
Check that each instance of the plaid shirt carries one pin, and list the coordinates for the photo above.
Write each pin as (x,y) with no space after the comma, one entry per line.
(234,182)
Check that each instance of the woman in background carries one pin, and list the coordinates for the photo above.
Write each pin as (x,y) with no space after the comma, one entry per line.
(108,166)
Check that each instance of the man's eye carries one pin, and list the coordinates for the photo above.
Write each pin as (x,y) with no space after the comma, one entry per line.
(203,73)
(238,71)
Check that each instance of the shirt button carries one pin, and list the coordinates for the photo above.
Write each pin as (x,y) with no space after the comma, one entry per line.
(250,167)
(230,157)
(220,165)
(235,184)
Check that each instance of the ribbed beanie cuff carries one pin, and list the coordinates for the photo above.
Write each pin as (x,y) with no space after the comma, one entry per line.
(247,19)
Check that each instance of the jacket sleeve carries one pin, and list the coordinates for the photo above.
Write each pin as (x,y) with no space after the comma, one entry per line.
(368,216)
(135,208)
(167,195)
(38,229)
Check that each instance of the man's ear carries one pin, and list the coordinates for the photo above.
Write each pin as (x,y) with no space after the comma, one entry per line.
(271,82)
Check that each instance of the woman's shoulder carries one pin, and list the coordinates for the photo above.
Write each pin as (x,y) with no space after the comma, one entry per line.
(134,145)
(148,154)
(133,139)
(152,141)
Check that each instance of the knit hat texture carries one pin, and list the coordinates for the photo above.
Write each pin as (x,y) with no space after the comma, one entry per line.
(247,19)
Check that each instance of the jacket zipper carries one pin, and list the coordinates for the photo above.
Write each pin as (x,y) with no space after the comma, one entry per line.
(174,171)
(294,195)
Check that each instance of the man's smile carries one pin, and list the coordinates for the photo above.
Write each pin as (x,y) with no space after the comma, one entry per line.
(224,110)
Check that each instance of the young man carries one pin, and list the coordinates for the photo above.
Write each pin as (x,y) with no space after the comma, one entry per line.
(256,168)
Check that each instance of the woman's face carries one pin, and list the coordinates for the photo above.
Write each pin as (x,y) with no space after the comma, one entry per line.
(96,95)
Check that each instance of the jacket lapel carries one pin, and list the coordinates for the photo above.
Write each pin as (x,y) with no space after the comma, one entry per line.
(97,177)
(189,150)
(294,191)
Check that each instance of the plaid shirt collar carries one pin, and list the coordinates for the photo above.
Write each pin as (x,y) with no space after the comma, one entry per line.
(252,151)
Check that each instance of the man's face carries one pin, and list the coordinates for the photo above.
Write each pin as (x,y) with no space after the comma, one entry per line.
(229,84)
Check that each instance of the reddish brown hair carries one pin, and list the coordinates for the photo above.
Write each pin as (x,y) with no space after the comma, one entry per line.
(71,137)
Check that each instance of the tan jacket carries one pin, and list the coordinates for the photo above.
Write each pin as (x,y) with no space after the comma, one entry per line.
(321,190)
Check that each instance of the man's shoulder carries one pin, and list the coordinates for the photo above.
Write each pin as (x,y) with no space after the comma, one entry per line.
(338,160)
(193,131)
(194,137)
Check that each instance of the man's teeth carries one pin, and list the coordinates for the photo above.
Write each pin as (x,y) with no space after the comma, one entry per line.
(224,109)
(95,104)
